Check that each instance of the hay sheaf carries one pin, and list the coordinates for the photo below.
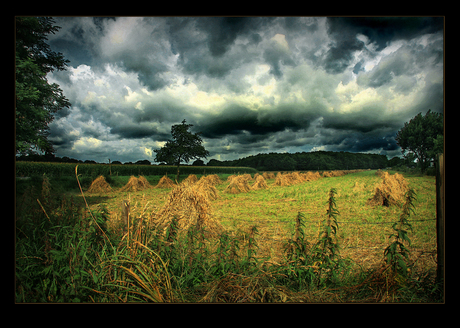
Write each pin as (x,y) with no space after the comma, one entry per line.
(136,184)
(214,179)
(191,179)
(332,174)
(191,206)
(99,185)
(310,176)
(390,191)
(238,184)
(288,179)
(282,180)
(259,183)
(206,185)
(165,182)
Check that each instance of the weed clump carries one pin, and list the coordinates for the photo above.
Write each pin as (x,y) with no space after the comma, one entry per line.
(99,185)
(390,191)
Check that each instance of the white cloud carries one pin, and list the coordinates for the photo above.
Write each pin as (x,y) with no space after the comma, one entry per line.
(280,39)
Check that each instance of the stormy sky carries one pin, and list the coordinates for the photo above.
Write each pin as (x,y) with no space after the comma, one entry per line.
(249,84)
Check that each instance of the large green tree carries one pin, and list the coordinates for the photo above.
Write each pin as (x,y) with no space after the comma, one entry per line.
(36,98)
(184,147)
(422,137)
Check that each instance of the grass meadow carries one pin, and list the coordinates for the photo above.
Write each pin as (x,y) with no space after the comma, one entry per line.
(298,243)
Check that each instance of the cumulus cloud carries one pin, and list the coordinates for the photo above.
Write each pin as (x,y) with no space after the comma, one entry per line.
(250,85)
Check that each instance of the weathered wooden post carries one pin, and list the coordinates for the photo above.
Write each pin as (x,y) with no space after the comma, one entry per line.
(125,212)
(440,217)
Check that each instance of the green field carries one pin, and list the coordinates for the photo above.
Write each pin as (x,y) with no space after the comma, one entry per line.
(62,255)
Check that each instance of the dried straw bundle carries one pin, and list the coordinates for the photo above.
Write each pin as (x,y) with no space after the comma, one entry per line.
(296,177)
(230,177)
(143,181)
(267,175)
(246,177)
(390,191)
(259,183)
(206,185)
(191,179)
(310,176)
(191,207)
(283,180)
(165,182)
(214,179)
(238,184)
(135,184)
(99,185)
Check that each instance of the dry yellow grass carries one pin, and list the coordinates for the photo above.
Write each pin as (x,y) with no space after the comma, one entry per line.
(358,186)
(99,185)
(390,191)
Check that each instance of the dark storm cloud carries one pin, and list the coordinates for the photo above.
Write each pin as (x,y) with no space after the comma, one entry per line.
(380,31)
(383,30)
(250,85)
(340,55)
(223,32)
(236,119)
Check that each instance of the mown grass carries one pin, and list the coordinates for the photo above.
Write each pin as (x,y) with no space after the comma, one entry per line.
(69,254)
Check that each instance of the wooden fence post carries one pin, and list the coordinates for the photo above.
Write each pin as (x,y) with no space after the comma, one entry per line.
(125,212)
(440,217)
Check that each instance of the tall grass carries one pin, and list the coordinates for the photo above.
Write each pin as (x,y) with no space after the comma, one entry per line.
(67,253)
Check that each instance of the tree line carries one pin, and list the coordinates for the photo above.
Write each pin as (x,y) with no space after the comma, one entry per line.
(319,160)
